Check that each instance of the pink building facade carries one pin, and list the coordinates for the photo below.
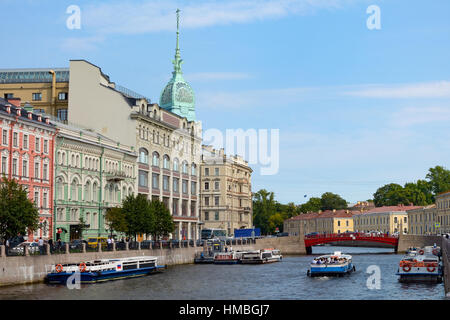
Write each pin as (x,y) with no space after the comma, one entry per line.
(26,155)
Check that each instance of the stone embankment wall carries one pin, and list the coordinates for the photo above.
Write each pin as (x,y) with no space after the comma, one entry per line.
(406,241)
(446,260)
(30,269)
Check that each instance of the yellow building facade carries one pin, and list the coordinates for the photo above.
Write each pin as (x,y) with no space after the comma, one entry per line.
(333,221)
(46,89)
(432,219)
(390,219)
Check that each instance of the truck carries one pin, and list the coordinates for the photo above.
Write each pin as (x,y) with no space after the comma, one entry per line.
(247,233)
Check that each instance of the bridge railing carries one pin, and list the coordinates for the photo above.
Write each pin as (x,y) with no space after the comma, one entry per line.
(350,234)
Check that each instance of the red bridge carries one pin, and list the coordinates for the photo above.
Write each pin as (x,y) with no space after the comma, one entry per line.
(352,237)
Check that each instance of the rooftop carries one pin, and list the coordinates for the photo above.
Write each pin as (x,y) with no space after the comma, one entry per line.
(33,75)
(324,214)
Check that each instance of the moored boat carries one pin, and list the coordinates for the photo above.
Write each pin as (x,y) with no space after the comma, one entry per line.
(233,257)
(421,267)
(336,264)
(261,256)
(104,269)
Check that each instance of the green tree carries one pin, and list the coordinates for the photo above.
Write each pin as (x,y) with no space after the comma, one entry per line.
(439,179)
(138,214)
(330,201)
(163,222)
(313,205)
(389,195)
(264,206)
(276,221)
(115,220)
(18,214)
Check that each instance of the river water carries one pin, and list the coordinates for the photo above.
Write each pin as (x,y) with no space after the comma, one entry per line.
(285,280)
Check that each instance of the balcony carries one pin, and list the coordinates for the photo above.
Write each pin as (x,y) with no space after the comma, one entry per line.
(116,176)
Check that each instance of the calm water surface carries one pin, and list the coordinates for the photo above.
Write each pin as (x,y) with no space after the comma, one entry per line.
(279,281)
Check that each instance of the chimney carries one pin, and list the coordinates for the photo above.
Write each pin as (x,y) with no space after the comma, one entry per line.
(14,101)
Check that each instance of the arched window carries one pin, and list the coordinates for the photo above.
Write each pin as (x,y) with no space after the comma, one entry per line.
(143,155)
(60,188)
(176,165)
(185,167)
(74,190)
(193,169)
(111,193)
(117,194)
(94,192)
(155,161)
(124,192)
(166,162)
(87,191)
(130,191)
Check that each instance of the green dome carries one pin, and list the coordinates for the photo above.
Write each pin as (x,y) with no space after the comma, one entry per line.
(178,96)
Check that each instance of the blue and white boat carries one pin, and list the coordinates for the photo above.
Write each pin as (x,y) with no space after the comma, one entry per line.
(104,270)
(336,264)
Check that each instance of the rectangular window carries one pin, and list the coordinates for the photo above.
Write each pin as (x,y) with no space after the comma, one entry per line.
(44,200)
(176,185)
(206,171)
(216,215)
(46,146)
(62,114)
(15,139)
(206,215)
(36,198)
(25,168)
(25,141)
(155,181)
(216,201)
(185,186)
(216,185)
(206,185)
(14,167)
(5,137)
(37,146)
(4,159)
(45,172)
(37,96)
(193,188)
(8,96)
(216,171)
(143,179)
(166,183)
(63,96)
(36,171)
(206,201)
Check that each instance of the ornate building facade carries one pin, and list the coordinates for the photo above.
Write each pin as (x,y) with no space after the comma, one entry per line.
(26,148)
(226,191)
(92,173)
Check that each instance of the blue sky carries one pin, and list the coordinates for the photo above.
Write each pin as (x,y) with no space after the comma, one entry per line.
(356,108)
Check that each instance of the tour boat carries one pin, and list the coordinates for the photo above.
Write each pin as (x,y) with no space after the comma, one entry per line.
(233,257)
(104,269)
(336,264)
(422,267)
(261,256)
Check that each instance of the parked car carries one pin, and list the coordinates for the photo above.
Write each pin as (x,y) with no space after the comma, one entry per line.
(33,247)
(77,244)
(94,241)
(283,234)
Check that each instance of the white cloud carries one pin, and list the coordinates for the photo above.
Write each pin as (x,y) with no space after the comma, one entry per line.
(414,115)
(438,89)
(208,76)
(153,16)
(76,45)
